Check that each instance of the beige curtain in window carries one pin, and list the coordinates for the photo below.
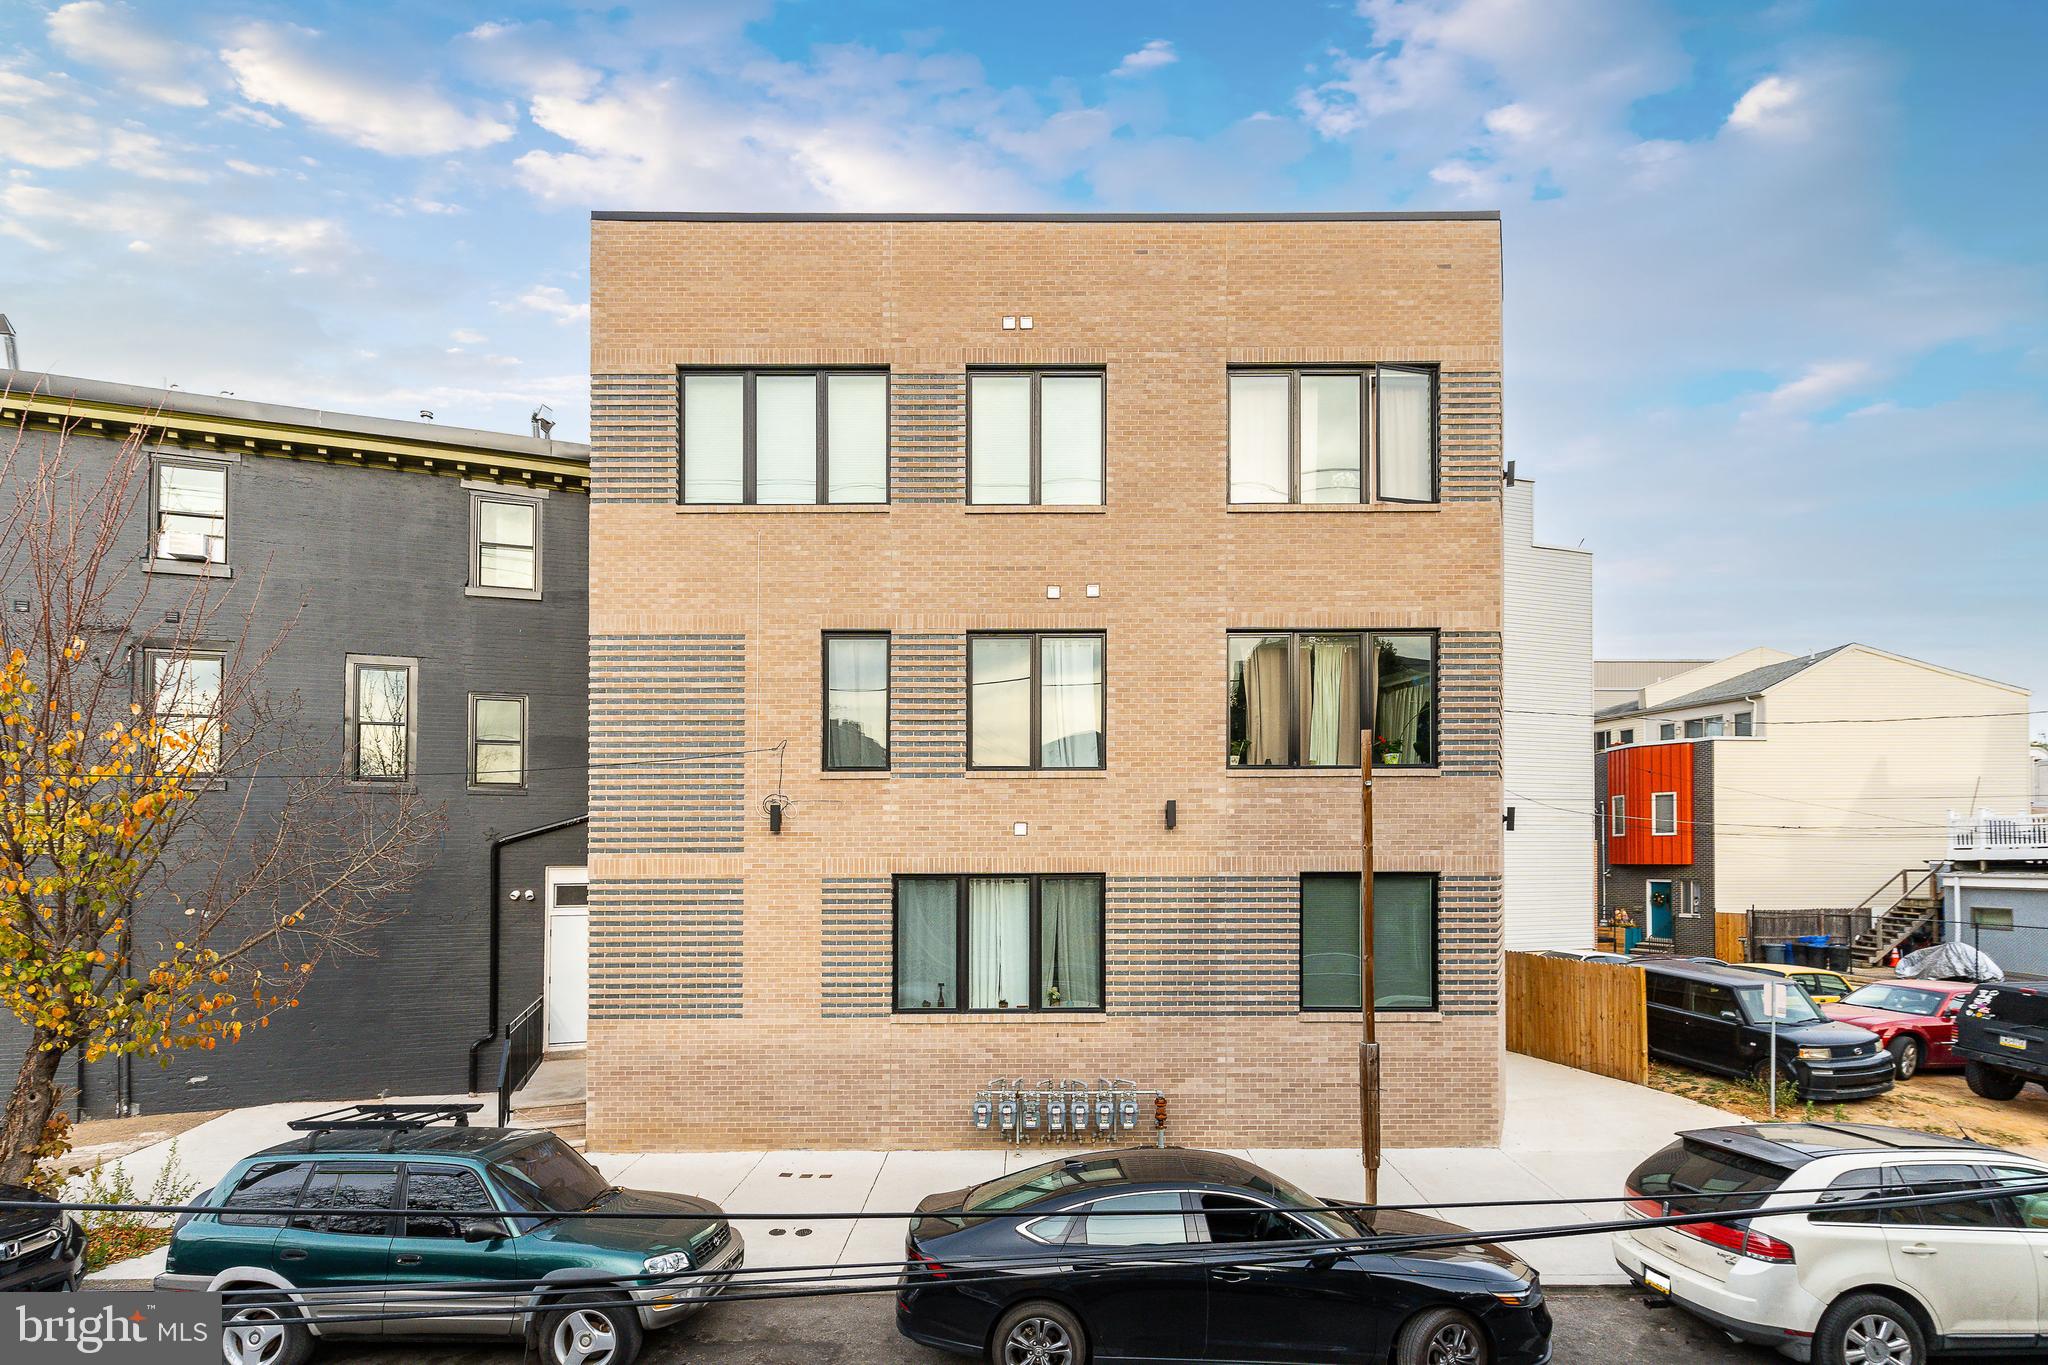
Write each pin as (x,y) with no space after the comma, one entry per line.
(1329,702)
(1267,714)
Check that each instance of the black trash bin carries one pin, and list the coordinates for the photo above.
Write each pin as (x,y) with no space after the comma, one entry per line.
(1841,956)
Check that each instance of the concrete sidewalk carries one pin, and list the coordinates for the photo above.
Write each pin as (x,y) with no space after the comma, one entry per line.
(1567,1133)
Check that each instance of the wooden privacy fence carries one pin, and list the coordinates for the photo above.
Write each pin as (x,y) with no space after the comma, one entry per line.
(1731,936)
(1588,1015)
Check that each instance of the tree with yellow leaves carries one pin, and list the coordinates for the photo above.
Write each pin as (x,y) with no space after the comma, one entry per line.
(149,903)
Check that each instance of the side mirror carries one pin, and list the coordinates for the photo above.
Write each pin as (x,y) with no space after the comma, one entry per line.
(479,1230)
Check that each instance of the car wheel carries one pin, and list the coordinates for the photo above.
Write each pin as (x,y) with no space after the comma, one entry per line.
(1868,1329)
(1992,1083)
(263,1332)
(1442,1336)
(1905,1056)
(589,1329)
(1038,1334)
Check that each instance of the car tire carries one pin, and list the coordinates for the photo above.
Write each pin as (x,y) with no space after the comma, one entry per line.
(589,1329)
(1992,1083)
(1859,1321)
(1442,1336)
(1056,1335)
(262,1331)
(1907,1055)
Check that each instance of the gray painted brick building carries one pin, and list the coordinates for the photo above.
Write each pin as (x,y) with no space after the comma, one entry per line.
(458,558)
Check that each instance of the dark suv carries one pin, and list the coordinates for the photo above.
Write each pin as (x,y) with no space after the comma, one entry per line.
(1713,1018)
(479,1205)
(39,1248)
(2002,1038)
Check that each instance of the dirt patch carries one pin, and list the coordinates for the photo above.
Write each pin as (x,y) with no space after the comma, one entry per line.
(1934,1102)
(95,1142)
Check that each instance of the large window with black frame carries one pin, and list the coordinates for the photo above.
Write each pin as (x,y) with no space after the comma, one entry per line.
(856,702)
(998,943)
(1035,700)
(1299,699)
(785,436)
(1333,434)
(1404,941)
(1034,437)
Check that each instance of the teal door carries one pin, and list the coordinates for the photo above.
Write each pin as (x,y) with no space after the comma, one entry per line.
(1660,909)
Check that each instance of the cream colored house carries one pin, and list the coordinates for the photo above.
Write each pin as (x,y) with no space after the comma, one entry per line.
(1771,781)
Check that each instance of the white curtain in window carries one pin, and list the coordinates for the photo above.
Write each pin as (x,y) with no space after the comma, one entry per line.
(1070,942)
(1329,438)
(1406,447)
(1258,438)
(998,943)
(857,445)
(999,427)
(714,433)
(786,438)
(1329,666)
(1070,683)
(1070,440)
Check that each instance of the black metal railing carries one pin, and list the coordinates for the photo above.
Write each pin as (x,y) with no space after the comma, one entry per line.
(525,1041)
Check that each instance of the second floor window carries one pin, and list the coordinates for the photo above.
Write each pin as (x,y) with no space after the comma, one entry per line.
(999,943)
(381,713)
(856,702)
(505,545)
(1035,701)
(1301,699)
(192,511)
(1404,941)
(1664,812)
(1035,438)
(185,699)
(497,741)
(1333,436)
(785,437)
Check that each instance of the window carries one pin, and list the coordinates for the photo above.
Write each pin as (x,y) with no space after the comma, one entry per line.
(856,702)
(504,537)
(497,741)
(1668,730)
(1664,812)
(1301,436)
(1232,1218)
(1137,1220)
(331,1195)
(998,943)
(1300,700)
(1696,728)
(1745,724)
(1936,1178)
(1628,736)
(1404,941)
(267,1186)
(380,716)
(1035,438)
(1035,701)
(785,437)
(1599,740)
(184,694)
(1851,1188)
(1617,816)
(192,511)
(1990,917)
(436,1197)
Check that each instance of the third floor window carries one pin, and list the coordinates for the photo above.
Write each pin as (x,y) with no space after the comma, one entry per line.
(1302,699)
(1333,435)
(785,436)
(1035,701)
(1035,438)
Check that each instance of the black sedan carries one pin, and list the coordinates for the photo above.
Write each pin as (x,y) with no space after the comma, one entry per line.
(39,1249)
(1190,1259)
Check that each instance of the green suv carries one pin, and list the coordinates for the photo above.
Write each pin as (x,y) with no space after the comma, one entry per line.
(481,1207)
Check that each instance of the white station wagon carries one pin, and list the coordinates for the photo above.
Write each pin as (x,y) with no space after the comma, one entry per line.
(1854,1286)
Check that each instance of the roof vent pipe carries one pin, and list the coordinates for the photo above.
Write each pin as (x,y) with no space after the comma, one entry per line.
(543,424)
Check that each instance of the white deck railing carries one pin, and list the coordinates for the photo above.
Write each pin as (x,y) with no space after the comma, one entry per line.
(2011,838)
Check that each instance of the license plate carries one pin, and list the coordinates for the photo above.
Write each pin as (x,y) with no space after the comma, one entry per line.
(1657,1280)
(2019,1043)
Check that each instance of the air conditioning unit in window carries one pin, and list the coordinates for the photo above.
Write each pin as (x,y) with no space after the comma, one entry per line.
(190,546)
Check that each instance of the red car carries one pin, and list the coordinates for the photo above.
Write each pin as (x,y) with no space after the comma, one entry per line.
(1914,1020)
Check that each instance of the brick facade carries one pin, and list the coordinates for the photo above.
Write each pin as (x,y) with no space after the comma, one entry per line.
(741,980)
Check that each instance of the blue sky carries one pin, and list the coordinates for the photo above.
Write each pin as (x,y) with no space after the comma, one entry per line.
(1776,272)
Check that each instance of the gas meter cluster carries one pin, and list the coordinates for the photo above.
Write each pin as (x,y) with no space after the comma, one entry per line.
(1067,1111)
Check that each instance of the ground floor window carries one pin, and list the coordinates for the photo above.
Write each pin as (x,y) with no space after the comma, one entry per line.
(1404,941)
(999,943)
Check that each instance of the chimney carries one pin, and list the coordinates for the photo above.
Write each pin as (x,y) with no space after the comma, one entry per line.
(7,339)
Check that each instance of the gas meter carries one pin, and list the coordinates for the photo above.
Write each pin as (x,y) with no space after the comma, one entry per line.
(1105,1113)
(1127,1113)
(1032,1118)
(1006,1114)
(1056,1115)
(984,1113)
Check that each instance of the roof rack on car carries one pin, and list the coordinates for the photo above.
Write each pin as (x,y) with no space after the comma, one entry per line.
(388,1119)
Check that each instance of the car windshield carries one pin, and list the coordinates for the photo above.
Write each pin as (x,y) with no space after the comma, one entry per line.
(1021,1188)
(1799,1007)
(1900,999)
(549,1177)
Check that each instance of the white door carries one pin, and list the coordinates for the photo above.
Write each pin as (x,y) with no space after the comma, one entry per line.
(1965,1261)
(568,957)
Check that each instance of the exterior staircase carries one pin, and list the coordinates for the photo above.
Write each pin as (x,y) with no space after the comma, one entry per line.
(554,1098)
(564,1120)
(1652,947)
(1916,906)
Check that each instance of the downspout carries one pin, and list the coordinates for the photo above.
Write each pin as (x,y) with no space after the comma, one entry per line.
(497,845)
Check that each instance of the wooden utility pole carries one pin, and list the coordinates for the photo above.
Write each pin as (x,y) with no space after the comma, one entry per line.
(1369,1045)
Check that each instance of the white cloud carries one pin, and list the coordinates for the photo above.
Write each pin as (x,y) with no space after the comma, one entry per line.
(550,301)
(1820,385)
(242,113)
(110,35)
(466,337)
(306,240)
(1153,55)
(145,154)
(241,167)
(1768,105)
(286,69)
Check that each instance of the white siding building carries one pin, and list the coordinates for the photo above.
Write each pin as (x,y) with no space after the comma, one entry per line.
(1547,694)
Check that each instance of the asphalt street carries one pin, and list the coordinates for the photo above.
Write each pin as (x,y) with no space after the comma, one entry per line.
(1594,1327)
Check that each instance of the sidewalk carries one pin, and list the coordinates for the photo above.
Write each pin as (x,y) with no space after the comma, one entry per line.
(1567,1133)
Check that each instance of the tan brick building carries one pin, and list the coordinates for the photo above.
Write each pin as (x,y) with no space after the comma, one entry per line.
(977,541)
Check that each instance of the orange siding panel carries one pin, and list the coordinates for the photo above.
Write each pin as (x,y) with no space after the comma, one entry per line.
(1636,774)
